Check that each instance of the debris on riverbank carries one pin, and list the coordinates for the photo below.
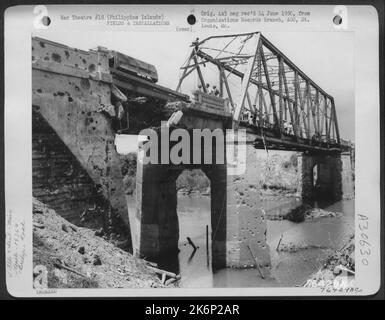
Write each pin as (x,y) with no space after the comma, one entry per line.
(278,173)
(301,213)
(316,213)
(345,257)
(194,192)
(77,257)
(339,262)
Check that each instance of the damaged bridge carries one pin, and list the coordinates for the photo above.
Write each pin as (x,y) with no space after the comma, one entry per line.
(77,109)
(82,99)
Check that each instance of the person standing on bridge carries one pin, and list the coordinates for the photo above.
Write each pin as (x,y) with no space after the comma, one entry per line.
(265,119)
(251,118)
(285,127)
(258,116)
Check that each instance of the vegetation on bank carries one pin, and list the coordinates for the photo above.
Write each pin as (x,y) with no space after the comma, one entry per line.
(128,165)
(188,180)
(278,172)
(338,265)
(193,180)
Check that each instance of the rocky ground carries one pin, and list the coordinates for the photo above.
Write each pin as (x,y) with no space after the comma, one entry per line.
(278,175)
(338,263)
(76,257)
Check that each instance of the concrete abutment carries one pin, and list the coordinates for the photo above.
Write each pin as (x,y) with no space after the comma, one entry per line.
(325,177)
(76,168)
(238,224)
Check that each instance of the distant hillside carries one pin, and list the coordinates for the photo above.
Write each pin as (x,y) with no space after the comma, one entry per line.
(279,171)
(278,174)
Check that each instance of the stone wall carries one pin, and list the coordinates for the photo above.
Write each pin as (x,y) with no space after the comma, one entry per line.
(71,91)
(58,178)
(333,179)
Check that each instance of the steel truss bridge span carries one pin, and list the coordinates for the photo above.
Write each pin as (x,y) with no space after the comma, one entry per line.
(265,92)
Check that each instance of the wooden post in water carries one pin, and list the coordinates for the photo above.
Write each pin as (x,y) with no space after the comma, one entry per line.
(256,262)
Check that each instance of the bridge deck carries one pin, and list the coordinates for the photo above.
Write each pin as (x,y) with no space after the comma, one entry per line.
(270,139)
(145,87)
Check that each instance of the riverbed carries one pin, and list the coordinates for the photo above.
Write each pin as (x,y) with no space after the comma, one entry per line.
(315,238)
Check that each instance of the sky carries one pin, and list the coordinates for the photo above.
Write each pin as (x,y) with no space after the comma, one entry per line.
(326,57)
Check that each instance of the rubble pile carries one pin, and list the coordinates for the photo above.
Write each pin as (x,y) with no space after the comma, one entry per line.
(78,257)
(343,257)
(338,263)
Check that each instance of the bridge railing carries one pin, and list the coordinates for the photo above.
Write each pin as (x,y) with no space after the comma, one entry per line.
(211,101)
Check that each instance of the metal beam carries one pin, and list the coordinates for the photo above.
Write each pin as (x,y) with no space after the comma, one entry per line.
(185,74)
(145,87)
(232,70)
(272,101)
(289,63)
(312,101)
(275,51)
(294,145)
(280,85)
(224,78)
(335,121)
(292,115)
(308,102)
(199,73)
(245,82)
(220,82)
(326,119)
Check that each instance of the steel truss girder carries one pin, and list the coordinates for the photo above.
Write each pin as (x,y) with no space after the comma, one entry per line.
(311,110)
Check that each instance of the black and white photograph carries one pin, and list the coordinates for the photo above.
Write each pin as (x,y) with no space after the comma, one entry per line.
(198,156)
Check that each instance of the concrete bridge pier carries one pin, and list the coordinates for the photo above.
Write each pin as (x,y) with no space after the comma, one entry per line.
(246,225)
(325,177)
(156,222)
(237,222)
(76,168)
(347,176)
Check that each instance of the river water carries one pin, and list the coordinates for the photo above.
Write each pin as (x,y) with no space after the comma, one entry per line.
(316,236)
